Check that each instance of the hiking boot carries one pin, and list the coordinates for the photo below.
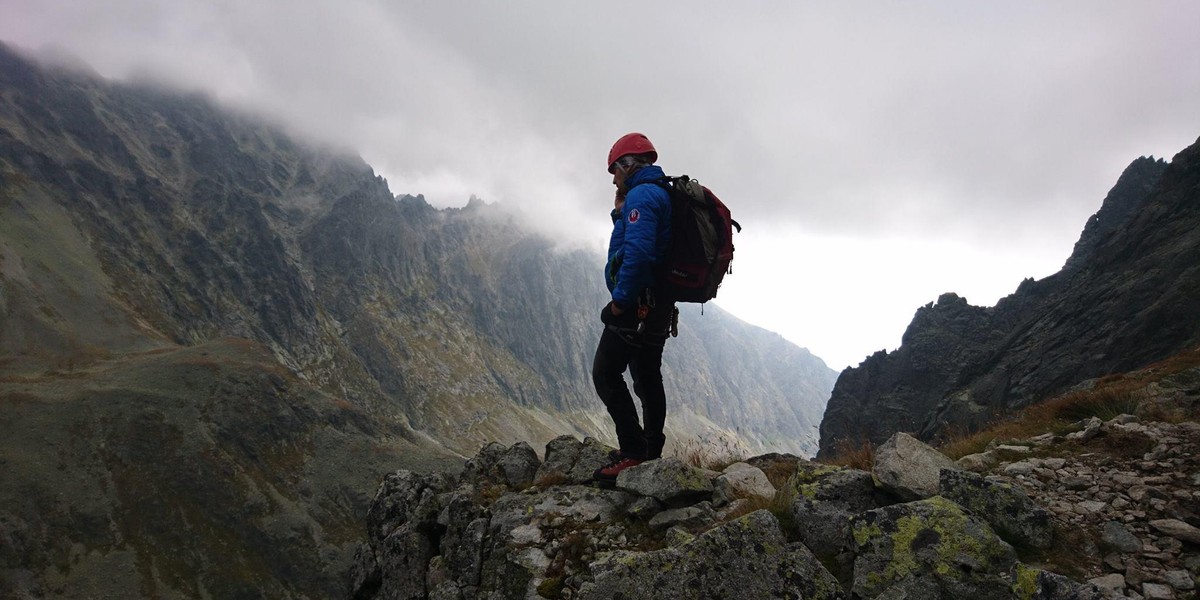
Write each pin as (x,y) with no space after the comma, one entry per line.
(609,472)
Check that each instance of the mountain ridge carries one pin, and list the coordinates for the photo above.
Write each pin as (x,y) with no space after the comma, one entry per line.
(1124,299)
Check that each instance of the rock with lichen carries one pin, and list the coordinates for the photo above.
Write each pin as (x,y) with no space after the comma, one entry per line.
(668,480)
(745,558)
(1006,507)
(826,499)
(932,544)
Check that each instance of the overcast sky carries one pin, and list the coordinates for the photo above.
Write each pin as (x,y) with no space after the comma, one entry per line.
(877,153)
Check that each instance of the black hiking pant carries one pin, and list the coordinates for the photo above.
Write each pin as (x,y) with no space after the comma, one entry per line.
(622,347)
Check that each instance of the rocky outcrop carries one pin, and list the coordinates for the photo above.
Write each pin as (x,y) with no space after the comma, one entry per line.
(661,532)
(1125,299)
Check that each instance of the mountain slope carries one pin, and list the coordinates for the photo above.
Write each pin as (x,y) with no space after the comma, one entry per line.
(1125,298)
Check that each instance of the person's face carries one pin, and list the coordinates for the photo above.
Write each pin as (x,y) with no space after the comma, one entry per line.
(620,174)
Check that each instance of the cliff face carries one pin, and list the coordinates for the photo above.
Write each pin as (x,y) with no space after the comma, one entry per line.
(1125,298)
(192,301)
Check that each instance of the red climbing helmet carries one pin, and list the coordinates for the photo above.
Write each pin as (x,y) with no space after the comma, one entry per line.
(631,143)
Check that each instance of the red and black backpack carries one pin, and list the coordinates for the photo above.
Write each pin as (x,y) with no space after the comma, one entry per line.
(701,248)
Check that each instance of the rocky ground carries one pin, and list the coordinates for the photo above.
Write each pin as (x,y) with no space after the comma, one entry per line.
(1105,512)
(1130,491)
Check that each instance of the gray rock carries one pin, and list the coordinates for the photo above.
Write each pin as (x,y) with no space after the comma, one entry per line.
(826,500)
(1113,582)
(688,516)
(1157,591)
(403,560)
(1054,463)
(1013,449)
(1019,468)
(1010,512)
(745,558)
(562,453)
(1090,428)
(1180,580)
(644,508)
(909,468)
(1036,584)
(742,482)
(404,496)
(1178,530)
(1119,538)
(667,480)
(514,466)
(979,462)
(934,540)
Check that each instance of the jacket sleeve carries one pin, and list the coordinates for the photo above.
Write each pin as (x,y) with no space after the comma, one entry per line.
(642,214)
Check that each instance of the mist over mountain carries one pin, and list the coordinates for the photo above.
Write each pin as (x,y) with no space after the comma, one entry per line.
(214,340)
(1125,298)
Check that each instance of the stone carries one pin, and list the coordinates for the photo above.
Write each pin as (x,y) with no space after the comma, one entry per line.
(402,497)
(1180,580)
(1119,538)
(1088,507)
(1054,463)
(1157,591)
(744,482)
(1003,448)
(1045,585)
(1090,429)
(688,516)
(979,462)
(644,508)
(1044,439)
(826,499)
(1114,582)
(745,558)
(909,468)
(514,466)
(1124,419)
(1019,468)
(1178,530)
(932,540)
(667,480)
(561,454)
(1007,508)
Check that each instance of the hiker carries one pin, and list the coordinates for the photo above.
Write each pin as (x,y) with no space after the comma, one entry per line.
(637,322)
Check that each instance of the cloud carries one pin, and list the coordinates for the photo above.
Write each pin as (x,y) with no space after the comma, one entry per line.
(994,130)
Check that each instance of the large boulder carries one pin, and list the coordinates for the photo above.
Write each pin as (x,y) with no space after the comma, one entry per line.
(909,468)
(741,480)
(667,480)
(826,499)
(931,544)
(745,558)
(1006,507)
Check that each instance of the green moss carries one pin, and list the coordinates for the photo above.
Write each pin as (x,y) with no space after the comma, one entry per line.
(1026,584)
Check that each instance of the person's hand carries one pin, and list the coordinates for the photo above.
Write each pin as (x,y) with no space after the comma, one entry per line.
(611,315)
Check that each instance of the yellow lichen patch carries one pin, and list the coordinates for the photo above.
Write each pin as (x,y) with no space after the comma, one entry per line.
(1026,584)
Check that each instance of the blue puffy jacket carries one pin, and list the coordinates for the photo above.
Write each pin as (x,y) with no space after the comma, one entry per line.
(640,237)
